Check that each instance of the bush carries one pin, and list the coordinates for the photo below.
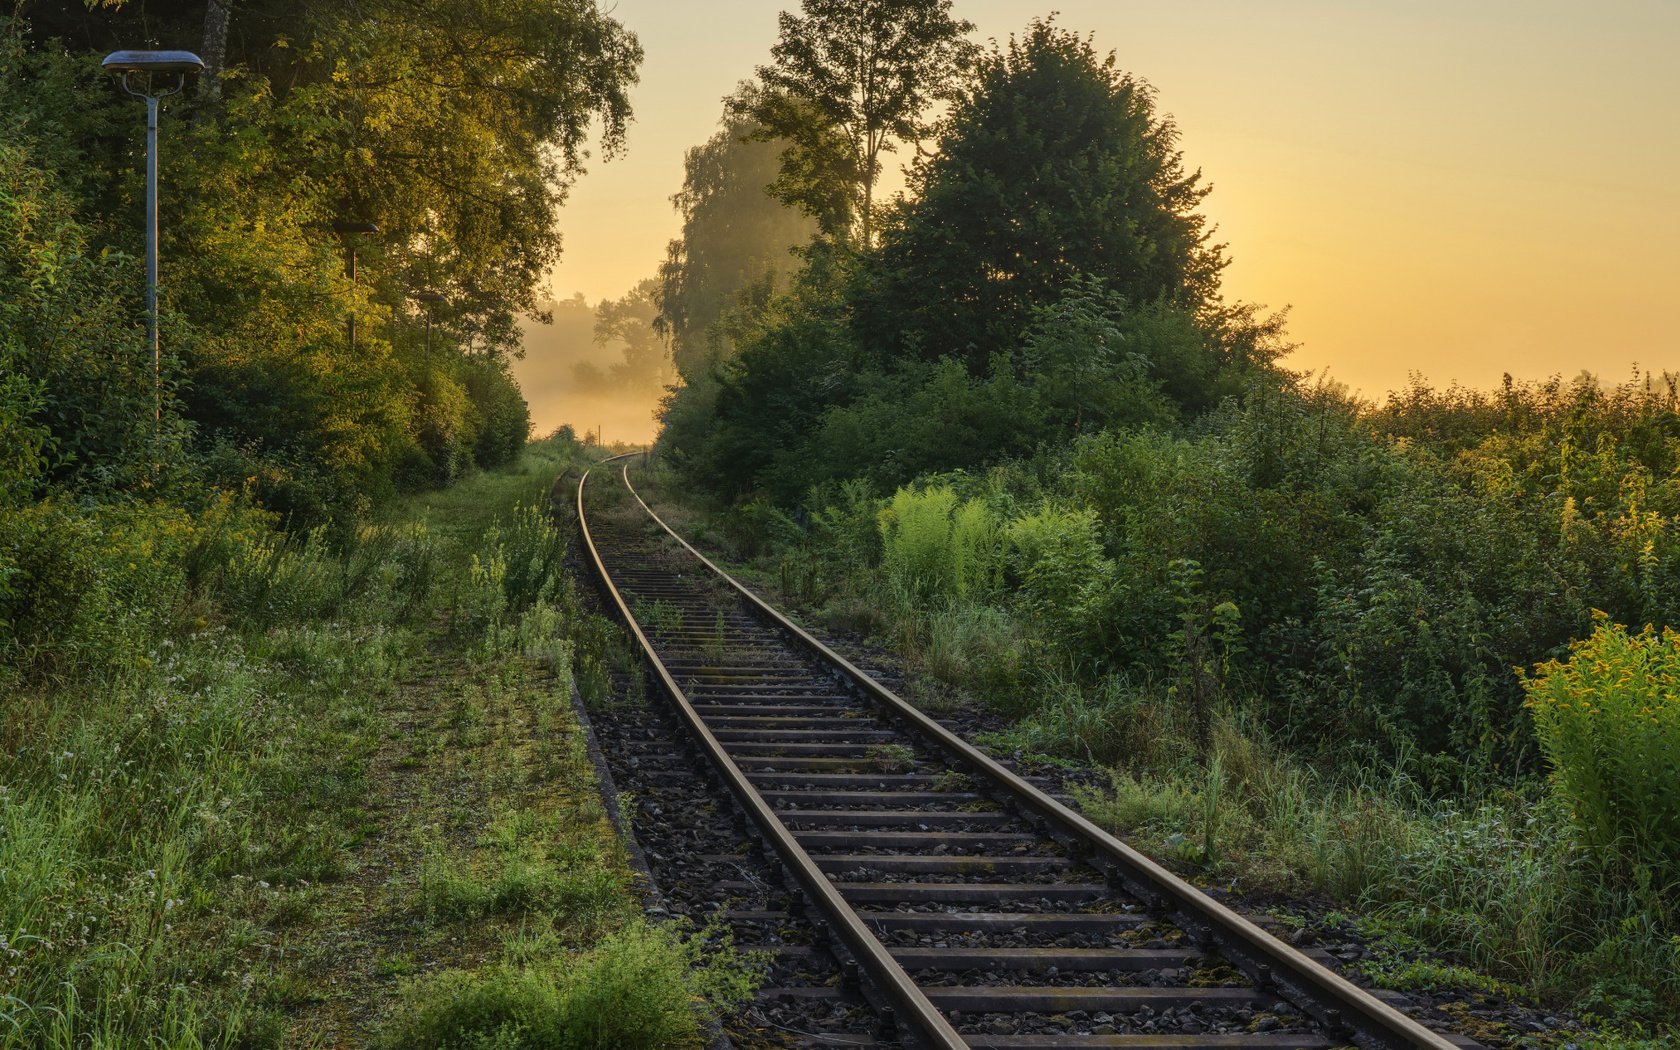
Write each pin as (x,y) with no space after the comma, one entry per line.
(1609,721)
(934,546)
(445,429)
(503,418)
(86,591)
(1058,559)
(517,565)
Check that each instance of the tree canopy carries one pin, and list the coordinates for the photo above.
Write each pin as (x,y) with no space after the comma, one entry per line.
(850,80)
(1052,164)
(456,127)
(734,234)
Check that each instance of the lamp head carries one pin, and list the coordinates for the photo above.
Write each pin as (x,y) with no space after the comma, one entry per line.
(152,62)
(346,226)
(429,297)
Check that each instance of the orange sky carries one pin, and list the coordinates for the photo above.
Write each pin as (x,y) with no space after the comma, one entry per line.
(1454,188)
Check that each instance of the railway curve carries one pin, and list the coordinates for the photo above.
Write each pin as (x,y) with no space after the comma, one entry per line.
(973,908)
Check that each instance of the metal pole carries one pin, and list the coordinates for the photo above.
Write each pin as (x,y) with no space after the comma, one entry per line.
(350,322)
(152,263)
(129,65)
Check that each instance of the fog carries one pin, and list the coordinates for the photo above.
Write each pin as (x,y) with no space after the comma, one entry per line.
(569,378)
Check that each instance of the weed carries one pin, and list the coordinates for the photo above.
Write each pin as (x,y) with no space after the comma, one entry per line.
(715,649)
(662,617)
(1609,719)
(891,758)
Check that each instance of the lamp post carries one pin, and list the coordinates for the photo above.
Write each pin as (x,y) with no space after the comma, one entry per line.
(431,299)
(349,230)
(154,64)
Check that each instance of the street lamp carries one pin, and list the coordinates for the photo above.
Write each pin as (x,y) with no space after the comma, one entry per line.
(155,65)
(349,230)
(431,299)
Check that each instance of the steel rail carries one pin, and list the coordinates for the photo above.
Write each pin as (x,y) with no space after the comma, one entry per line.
(916,1018)
(1332,999)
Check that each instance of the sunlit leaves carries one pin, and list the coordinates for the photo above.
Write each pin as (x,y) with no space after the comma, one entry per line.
(849,80)
(1609,720)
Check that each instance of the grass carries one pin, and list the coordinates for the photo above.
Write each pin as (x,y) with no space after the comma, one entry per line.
(1496,884)
(309,769)
(633,990)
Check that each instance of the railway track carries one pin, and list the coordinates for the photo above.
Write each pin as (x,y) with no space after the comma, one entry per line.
(972,907)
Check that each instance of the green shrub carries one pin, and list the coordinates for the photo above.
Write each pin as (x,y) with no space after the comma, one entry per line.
(916,539)
(445,429)
(22,441)
(503,420)
(534,548)
(278,578)
(516,565)
(85,591)
(1609,721)
(1057,557)
(542,637)
(934,546)
(846,519)
(756,525)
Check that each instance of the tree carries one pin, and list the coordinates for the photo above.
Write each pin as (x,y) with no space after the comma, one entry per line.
(630,321)
(457,126)
(460,125)
(734,234)
(850,80)
(1052,165)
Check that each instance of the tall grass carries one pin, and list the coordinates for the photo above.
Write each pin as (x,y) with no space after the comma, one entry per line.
(190,697)
(935,546)
(636,991)
(1500,881)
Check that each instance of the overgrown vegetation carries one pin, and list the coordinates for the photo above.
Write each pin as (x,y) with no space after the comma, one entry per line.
(1296,636)
(635,990)
(203,718)
(307,117)
(1326,645)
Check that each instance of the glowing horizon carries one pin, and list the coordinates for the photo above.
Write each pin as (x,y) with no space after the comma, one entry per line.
(1454,190)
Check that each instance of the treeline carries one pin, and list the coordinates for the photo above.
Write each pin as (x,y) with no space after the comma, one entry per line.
(1009,423)
(1037,326)
(1046,275)
(453,128)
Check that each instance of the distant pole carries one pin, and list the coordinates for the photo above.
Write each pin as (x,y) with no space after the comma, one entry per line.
(349,230)
(128,63)
(431,299)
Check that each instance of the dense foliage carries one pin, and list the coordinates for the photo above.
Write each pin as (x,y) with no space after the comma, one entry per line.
(850,80)
(456,129)
(1052,164)
(1032,288)
(1026,439)
(1609,718)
